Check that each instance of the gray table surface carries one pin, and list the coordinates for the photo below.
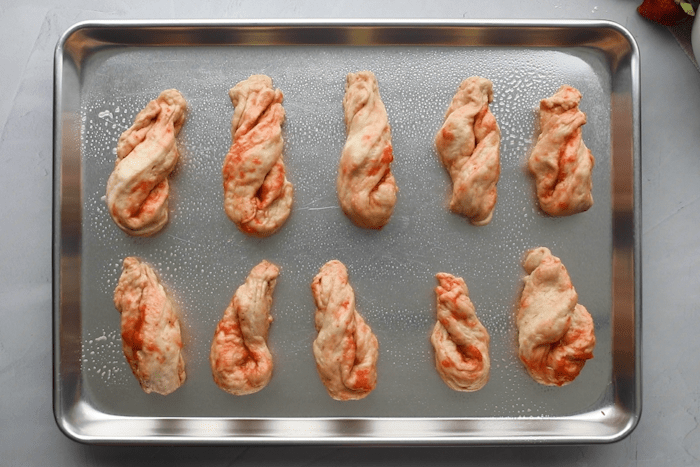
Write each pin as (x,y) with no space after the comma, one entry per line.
(668,433)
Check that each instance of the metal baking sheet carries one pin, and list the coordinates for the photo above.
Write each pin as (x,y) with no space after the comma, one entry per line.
(105,72)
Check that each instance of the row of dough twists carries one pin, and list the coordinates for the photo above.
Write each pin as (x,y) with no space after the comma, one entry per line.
(346,350)
(555,332)
(258,196)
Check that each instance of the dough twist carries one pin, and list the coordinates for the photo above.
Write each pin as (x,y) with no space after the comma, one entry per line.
(137,189)
(556,333)
(257,194)
(150,329)
(241,362)
(345,349)
(560,161)
(461,342)
(366,186)
(468,144)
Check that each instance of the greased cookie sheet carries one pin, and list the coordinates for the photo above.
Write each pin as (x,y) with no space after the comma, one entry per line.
(202,257)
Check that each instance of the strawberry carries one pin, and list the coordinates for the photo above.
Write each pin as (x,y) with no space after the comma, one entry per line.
(666,12)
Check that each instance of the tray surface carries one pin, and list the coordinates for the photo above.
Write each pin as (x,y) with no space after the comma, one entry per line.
(107,72)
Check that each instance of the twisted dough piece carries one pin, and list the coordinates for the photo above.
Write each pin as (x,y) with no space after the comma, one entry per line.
(556,334)
(366,186)
(346,350)
(150,329)
(560,161)
(257,194)
(241,362)
(137,189)
(468,144)
(461,342)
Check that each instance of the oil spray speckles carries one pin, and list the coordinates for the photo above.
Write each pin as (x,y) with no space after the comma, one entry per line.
(103,358)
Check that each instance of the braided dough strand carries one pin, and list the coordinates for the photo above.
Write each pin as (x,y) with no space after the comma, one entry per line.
(150,329)
(366,186)
(345,349)
(468,144)
(257,194)
(240,359)
(555,332)
(461,342)
(138,189)
(561,162)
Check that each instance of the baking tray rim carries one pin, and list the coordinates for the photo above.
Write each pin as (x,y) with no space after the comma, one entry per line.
(351,23)
(624,412)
